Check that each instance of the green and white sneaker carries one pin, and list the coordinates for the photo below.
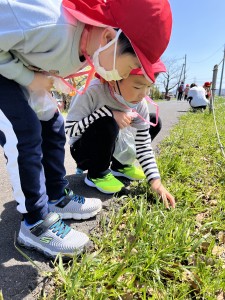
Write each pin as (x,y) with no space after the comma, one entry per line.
(107,184)
(131,172)
(72,206)
(52,236)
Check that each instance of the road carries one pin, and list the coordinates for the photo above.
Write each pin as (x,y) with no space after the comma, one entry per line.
(18,278)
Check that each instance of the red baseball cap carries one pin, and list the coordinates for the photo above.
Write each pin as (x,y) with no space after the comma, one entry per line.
(207,84)
(157,67)
(146,23)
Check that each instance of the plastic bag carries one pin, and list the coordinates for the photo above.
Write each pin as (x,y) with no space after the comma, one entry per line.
(125,150)
(43,104)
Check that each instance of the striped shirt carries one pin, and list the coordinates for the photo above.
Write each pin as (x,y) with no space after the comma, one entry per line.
(96,103)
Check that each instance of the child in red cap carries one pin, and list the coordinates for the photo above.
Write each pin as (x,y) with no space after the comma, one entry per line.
(42,40)
(207,87)
(186,90)
(94,123)
(197,98)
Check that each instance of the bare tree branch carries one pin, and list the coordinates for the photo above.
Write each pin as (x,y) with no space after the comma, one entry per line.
(170,78)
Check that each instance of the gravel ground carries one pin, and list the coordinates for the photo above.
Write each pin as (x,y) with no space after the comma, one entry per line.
(18,278)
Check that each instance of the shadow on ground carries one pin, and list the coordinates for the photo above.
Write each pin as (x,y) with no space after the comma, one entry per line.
(17,276)
(19,279)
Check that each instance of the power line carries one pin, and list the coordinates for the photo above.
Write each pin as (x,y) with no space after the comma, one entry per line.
(197,62)
(221,78)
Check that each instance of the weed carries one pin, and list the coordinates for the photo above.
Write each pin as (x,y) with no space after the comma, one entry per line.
(143,251)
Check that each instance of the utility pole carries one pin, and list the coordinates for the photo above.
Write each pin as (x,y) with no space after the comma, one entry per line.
(180,79)
(215,70)
(221,78)
(185,64)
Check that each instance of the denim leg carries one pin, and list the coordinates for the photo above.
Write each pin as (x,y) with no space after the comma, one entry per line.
(53,147)
(21,140)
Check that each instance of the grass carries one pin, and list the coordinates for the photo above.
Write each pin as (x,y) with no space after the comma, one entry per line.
(142,250)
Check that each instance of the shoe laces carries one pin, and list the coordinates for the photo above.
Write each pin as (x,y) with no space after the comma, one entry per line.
(108,176)
(128,168)
(60,228)
(76,198)
(79,171)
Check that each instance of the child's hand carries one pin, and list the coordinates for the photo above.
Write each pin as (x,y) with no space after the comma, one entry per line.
(122,119)
(41,82)
(157,187)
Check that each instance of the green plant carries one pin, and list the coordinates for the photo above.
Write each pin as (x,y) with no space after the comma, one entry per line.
(142,250)
(1,295)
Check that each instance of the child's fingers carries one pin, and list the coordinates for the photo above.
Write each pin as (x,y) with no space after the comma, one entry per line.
(127,118)
(172,202)
(164,200)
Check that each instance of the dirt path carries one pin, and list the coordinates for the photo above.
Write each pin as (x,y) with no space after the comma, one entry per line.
(18,278)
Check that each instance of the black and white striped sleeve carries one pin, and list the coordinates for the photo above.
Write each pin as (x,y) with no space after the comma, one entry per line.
(145,155)
(77,128)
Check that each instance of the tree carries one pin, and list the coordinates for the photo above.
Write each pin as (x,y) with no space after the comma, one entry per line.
(170,78)
(155,92)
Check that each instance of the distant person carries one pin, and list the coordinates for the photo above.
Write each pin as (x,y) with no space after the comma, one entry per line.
(186,90)
(197,98)
(207,87)
(180,91)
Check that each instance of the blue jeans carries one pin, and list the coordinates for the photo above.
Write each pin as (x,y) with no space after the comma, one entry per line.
(34,151)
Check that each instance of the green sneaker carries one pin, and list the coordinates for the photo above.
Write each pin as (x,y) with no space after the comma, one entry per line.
(107,184)
(131,172)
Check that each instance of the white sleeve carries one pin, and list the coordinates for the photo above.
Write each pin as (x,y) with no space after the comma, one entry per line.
(13,69)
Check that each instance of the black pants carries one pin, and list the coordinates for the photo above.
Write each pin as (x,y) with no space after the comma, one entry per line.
(203,107)
(94,150)
(180,95)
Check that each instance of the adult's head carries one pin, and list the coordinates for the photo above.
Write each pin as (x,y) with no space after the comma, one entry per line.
(192,85)
(146,23)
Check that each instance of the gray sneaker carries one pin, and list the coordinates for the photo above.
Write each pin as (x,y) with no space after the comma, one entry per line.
(52,236)
(76,207)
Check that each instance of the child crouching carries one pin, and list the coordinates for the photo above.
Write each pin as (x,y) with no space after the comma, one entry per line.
(93,124)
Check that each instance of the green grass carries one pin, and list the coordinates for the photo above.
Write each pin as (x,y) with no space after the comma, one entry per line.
(142,250)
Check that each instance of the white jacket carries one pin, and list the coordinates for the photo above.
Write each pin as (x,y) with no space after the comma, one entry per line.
(198,96)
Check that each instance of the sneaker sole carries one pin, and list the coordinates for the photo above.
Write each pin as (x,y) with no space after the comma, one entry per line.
(90,183)
(115,173)
(31,245)
(76,216)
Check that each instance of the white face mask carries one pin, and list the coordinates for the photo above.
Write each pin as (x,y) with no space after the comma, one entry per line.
(107,75)
(123,101)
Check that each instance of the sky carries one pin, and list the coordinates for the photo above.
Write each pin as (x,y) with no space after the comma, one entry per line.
(199,32)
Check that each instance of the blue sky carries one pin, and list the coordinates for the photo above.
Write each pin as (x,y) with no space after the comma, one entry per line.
(199,32)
